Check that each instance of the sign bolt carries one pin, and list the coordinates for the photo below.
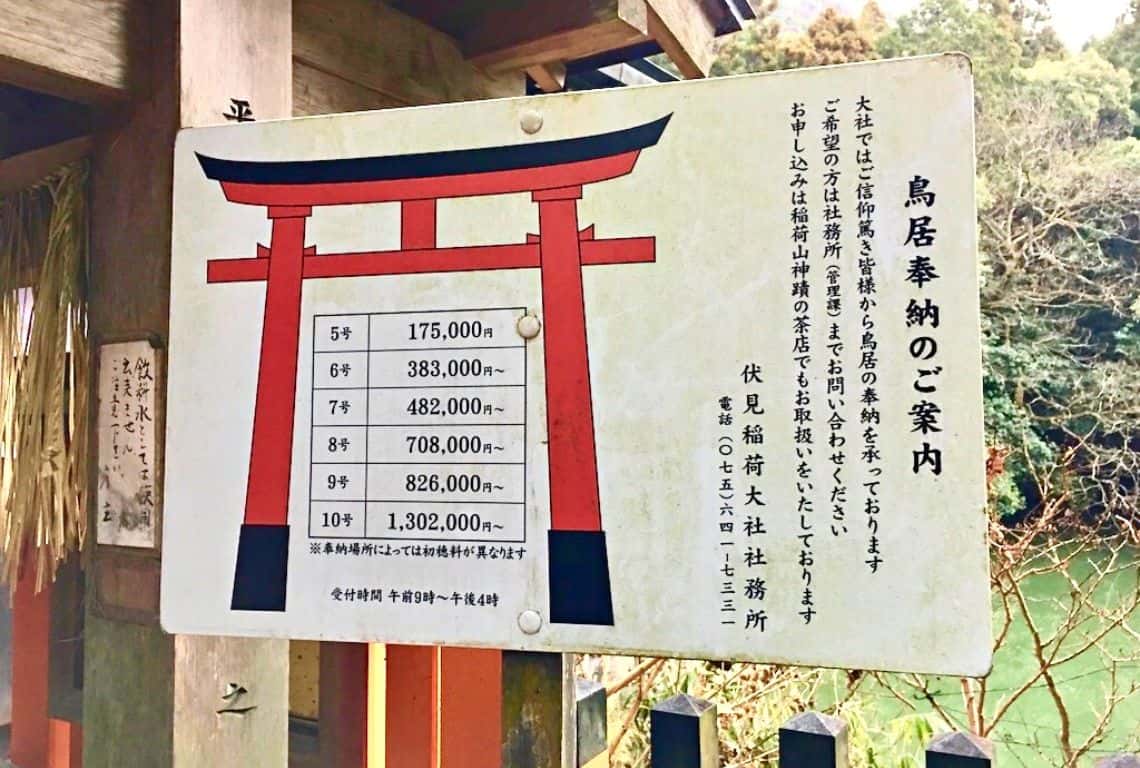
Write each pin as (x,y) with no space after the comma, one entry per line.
(531,121)
(528,325)
(530,621)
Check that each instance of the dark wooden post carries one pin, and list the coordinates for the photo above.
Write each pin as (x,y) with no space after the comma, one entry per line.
(960,750)
(682,733)
(590,715)
(532,710)
(812,740)
(1119,761)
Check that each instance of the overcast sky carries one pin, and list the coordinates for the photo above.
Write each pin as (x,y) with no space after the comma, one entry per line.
(1076,21)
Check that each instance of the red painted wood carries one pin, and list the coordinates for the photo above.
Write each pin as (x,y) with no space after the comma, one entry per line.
(470,707)
(65,744)
(267,494)
(417,224)
(343,708)
(621,250)
(436,187)
(421,262)
(31,629)
(574,502)
(412,707)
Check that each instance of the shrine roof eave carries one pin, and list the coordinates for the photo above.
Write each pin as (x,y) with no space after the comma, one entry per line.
(435,165)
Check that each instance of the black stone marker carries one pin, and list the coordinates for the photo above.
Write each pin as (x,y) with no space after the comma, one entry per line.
(812,740)
(960,750)
(682,733)
(590,709)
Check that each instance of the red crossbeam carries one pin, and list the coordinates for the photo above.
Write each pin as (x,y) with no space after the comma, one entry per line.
(558,176)
(623,250)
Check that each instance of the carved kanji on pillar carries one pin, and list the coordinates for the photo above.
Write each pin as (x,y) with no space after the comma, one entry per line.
(554,173)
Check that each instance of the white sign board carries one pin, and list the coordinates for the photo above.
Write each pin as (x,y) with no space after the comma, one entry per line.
(125,496)
(691,370)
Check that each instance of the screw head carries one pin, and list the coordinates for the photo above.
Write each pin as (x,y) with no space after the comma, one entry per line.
(530,621)
(528,326)
(530,121)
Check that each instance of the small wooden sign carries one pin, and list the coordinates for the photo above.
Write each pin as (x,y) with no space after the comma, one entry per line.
(126,496)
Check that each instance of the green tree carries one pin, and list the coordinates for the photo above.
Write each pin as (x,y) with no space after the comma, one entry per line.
(1058,260)
(873,22)
(831,38)
(1030,23)
(938,26)
(1086,91)
(756,48)
(1122,48)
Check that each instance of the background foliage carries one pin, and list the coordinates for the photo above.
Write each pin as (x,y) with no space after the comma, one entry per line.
(1058,179)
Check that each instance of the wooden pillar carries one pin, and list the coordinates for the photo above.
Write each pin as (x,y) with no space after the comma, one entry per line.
(532,710)
(31,626)
(470,704)
(343,719)
(65,744)
(412,732)
(152,699)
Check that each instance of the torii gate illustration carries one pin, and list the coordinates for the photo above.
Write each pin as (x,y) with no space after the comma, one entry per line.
(554,173)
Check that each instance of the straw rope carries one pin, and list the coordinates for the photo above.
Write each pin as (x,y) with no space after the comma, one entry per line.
(43,373)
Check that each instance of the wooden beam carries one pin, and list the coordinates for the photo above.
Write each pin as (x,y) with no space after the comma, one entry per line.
(375,46)
(551,77)
(685,33)
(503,38)
(21,171)
(71,48)
(319,93)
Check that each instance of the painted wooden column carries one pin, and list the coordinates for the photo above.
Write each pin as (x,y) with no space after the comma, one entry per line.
(31,627)
(38,740)
(151,698)
(470,704)
(343,719)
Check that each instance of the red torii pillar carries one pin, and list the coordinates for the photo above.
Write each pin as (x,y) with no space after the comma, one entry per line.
(554,173)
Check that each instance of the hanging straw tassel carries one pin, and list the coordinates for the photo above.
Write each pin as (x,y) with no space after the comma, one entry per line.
(43,373)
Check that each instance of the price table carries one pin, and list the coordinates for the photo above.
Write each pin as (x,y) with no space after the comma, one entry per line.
(419,426)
